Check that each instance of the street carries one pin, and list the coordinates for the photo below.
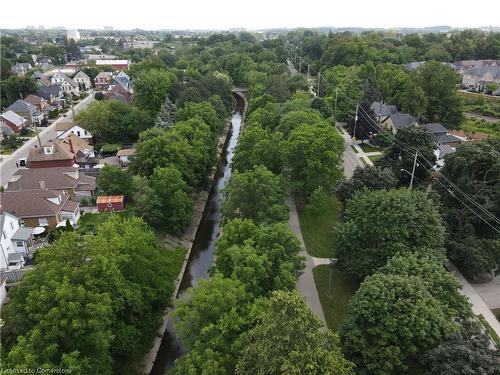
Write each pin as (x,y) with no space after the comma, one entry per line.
(8,163)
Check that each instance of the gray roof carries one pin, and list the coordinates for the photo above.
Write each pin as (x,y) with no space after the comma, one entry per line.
(481,71)
(445,150)
(32,203)
(23,234)
(58,178)
(47,92)
(382,109)
(21,106)
(402,120)
(14,257)
(435,128)
(448,138)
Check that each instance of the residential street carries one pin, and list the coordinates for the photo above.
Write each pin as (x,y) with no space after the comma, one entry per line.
(351,160)
(48,134)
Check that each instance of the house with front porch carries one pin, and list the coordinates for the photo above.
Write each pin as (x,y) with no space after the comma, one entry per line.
(82,80)
(16,242)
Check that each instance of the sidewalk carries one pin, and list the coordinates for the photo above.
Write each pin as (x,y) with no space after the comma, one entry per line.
(479,307)
(306,284)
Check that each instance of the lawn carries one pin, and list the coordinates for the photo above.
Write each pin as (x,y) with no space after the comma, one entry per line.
(374,158)
(317,229)
(334,301)
(482,126)
(88,222)
(368,148)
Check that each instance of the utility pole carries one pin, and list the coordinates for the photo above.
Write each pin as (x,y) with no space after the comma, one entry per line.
(355,122)
(300,64)
(308,71)
(413,171)
(336,96)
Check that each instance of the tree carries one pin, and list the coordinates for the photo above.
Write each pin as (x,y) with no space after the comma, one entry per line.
(400,156)
(313,156)
(263,257)
(373,178)
(14,88)
(379,223)
(256,194)
(411,98)
(175,204)
(166,116)
(464,352)
(151,87)
(112,121)
(256,102)
(439,83)
(204,111)
(322,106)
(391,321)
(113,180)
(257,146)
(288,339)
(206,304)
(293,119)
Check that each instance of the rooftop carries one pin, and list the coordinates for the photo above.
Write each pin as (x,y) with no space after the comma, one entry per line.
(60,178)
(33,203)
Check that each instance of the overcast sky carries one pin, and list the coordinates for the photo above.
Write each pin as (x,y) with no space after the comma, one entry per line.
(253,14)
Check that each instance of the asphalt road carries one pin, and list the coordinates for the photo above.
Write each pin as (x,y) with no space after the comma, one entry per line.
(8,163)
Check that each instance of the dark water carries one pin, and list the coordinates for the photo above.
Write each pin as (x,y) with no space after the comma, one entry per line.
(203,250)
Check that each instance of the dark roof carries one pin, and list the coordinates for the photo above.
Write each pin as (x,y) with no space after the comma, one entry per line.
(21,106)
(435,128)
(448,138)
(47,92)
(33,99)
(59,152)
(382,109)
(32,203)
(402,120)
(60,178)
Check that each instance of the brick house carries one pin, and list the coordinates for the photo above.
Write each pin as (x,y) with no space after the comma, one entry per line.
(53,155)
(102,80)
(13,121)
(40,103)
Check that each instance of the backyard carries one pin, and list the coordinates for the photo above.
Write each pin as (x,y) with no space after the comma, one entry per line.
(317,228)
(334,294)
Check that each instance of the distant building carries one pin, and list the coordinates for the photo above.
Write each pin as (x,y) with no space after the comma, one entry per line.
(102,80)
(21,68)
(117,64)
(82,80)
(67,84)
(73,35)
(140,44)
(397,121)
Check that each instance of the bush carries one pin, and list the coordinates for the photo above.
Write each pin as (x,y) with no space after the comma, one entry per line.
(53,114)
(99,96)
(110,148)
(84,202)
(318,202)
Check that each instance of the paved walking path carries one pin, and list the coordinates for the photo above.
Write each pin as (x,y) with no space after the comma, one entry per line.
(478,305)
(361,154)
(351,160)
(305,284)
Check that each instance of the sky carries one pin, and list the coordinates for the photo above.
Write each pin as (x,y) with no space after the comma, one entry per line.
(253,14)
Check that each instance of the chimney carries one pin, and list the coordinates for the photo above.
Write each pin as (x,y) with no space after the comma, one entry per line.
(71,145)
(42,185)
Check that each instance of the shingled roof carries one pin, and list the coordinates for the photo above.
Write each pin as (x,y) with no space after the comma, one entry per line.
(60,178)
(32,203)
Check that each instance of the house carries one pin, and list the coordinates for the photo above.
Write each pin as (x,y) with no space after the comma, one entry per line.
(382,111)
(142,44)
(16,241)
(110,203)
(40,103)
(50,156)
(67,84)
(44,208)
(44,63)
(66,127)
(102,80)
(118,92)
(41,79)
(477,77)
(53,94)
(117,64)
(123,79)
(21,68)
(398,121)
(15,122)
(67,180)
(441,135)
(82,80)
(84,154)
(124,156)
(27,110)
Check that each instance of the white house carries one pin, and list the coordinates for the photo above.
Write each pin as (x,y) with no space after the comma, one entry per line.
(65,128)
(82,80)
(14,242)
(124,156)
(67,84)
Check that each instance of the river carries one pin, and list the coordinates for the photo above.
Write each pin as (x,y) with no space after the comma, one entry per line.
(203,249)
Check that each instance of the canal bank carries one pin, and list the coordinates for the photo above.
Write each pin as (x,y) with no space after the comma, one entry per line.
(200,241)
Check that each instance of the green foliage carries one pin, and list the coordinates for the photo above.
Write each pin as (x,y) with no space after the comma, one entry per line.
(267,116)
(373,178)
(91,300)
(204,111)
(113,180)
(258,146)
(322,106)
(313,157)
(379,224)
(206,304)
(318,201)
(465,352)
(256,194)
(302,347)
(263,257)
(293,119)
(151,87)
(14,88)
(166,195)
(391,320)
(113,121)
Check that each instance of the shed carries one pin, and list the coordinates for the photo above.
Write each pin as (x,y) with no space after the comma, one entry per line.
(110,203)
